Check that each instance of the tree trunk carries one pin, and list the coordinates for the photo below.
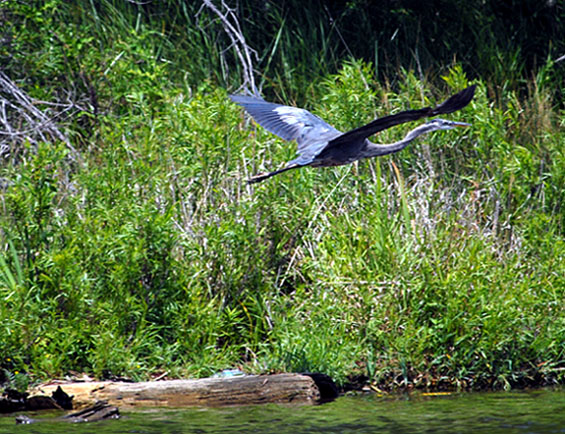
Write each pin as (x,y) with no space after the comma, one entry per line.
(249,389)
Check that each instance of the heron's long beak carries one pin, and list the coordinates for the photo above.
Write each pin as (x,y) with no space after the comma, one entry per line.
(461,124)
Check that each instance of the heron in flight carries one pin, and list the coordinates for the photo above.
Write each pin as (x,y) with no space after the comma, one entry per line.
(321,145)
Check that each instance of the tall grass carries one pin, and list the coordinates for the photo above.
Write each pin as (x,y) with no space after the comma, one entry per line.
(438,266)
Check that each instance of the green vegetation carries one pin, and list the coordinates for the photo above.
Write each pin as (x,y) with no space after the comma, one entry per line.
(135,246)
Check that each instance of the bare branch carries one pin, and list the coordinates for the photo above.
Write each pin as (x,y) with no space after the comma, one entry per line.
(243,51)
(22,121)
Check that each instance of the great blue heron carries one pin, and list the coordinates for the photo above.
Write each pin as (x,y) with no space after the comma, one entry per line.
(320,144)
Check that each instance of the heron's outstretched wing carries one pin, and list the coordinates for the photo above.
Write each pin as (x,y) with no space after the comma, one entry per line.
(454,103)
(289,123)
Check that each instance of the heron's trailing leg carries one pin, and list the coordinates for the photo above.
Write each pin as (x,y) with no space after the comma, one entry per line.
(262,176)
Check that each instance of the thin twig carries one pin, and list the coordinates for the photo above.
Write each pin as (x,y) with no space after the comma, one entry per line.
(243,51)
(22,121)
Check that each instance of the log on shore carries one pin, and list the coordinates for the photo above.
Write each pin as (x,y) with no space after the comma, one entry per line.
(244,390)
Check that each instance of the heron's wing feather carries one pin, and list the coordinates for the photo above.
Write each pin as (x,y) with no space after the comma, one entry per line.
(289,123)
(454,103)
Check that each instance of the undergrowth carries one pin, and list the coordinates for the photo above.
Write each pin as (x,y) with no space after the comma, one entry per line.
(440,266)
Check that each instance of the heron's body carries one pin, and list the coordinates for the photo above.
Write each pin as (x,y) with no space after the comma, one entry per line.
(321,145)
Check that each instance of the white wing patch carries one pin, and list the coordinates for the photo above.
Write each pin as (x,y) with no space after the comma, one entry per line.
(286,110)
(289,116)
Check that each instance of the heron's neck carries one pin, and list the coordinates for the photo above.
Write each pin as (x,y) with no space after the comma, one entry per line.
(376,150)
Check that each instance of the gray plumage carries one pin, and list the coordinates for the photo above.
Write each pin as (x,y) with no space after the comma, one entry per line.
(320,144)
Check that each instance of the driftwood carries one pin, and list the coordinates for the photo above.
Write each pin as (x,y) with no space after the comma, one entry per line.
(99,411)
(12,400)
(243,390)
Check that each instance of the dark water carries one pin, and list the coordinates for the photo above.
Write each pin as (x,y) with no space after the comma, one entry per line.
(540,411)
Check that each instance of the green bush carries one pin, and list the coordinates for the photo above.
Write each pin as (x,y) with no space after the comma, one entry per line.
(439,266)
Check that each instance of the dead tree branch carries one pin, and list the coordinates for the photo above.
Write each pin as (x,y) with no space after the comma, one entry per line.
(22,121)
(244,52)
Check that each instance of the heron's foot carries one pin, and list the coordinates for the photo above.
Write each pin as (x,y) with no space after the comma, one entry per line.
(262,176)
(258,178)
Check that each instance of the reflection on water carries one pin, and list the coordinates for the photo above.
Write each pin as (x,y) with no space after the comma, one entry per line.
(540,411)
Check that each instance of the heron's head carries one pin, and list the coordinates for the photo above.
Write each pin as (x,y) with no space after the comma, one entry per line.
(434,125)
(442,124)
